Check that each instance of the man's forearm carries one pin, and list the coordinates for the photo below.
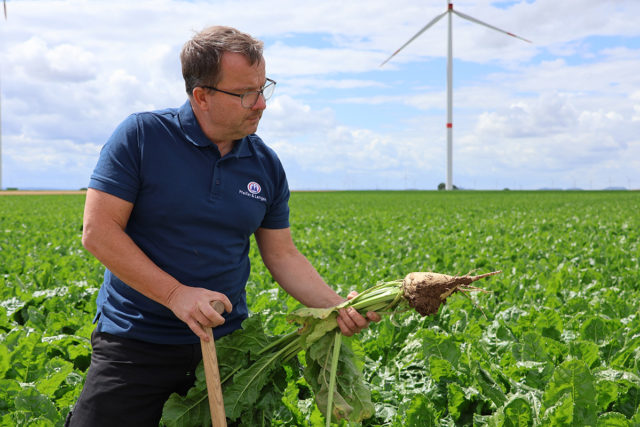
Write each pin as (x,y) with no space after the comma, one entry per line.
(105,219)
(299,278)
(295,274)
(115,249)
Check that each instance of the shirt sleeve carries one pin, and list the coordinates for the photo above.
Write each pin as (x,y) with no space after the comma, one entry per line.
(118,167)
(277,215)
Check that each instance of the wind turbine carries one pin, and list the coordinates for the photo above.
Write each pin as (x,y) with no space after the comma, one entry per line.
(450,11)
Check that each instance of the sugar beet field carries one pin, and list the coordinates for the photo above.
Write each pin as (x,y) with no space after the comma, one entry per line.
(555,342)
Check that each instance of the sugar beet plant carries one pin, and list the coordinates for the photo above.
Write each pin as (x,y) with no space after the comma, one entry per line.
(346,398)
(554,342)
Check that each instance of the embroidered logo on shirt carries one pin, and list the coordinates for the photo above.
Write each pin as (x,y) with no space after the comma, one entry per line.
(254,187)
(254,190)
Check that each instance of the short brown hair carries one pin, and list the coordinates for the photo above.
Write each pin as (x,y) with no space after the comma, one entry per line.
(201,56)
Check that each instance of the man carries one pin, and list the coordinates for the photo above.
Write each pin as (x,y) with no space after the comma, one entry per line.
(171,205)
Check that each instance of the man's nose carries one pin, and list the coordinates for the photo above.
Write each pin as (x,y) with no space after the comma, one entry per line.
(260,104)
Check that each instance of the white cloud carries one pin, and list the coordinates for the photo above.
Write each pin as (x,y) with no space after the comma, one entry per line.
(542,117)
(300,61)
(34,59)
(47,163)
(286,117)
(550,136)
(316,142)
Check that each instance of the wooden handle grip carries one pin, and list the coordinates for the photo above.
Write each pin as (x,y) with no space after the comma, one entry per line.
(218,306)
(212,375)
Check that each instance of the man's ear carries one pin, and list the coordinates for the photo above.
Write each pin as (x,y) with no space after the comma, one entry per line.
(199,96)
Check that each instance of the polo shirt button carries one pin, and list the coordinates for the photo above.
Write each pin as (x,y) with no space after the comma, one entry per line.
(217,182)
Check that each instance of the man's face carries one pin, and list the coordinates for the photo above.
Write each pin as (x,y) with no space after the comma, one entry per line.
(228,118)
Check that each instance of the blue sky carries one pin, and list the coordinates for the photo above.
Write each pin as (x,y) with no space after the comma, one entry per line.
(563,111)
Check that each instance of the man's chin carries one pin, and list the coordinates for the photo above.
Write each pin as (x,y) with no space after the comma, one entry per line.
(253,128)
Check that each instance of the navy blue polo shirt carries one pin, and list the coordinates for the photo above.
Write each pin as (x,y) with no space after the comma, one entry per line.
(193,215)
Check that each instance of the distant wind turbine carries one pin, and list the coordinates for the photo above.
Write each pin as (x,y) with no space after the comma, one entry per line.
(449,12)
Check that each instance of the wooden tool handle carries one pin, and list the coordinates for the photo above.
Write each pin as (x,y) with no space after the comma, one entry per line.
(212,375)
(218,306)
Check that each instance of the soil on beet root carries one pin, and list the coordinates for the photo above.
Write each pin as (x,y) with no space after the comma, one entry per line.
(426,296)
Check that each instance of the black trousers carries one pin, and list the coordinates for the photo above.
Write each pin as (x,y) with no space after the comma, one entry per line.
(129,381)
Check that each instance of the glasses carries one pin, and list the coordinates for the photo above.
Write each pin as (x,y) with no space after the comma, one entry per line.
(249,99)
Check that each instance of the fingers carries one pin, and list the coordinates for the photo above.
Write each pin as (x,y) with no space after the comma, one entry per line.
(208,316)
(350,321)
(197,322)
(346,331)
(227,304)
(197,329)
(193,306)
(373,316)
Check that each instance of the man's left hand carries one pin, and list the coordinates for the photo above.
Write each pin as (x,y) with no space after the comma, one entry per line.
(351,322)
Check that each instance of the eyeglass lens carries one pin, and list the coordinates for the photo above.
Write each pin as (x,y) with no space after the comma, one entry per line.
(249,99)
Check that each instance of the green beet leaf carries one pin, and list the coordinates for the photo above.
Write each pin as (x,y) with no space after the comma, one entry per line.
(55,375)
(636,417)
(440,345)
(490,388)
(352,397)
(571,396)
(187,411)
(441,369)
(613,419)
(247,385)
(588,351)
(5,358)
(627,385)
(30,405)
(461,402)
(421,413)
(598,329)
(607,393)
(9,389)
(628,356)
(518,413)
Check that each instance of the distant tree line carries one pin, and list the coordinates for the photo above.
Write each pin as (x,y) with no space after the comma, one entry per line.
(443,186)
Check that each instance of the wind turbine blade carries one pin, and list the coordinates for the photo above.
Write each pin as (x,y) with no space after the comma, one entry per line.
(469,18)
(425,28)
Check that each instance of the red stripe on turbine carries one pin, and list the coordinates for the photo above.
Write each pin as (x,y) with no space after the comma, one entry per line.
(449,125)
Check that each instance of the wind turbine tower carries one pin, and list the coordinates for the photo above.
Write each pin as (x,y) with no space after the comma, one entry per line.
(449,12)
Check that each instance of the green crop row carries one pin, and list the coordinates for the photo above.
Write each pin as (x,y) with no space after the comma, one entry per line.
(556,341)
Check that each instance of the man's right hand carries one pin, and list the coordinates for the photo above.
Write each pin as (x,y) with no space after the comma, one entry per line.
(193,307)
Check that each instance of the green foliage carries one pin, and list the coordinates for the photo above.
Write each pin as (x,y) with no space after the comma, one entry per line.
(352,397)
(48,284)
(564,311)
(252,385)
(570,396)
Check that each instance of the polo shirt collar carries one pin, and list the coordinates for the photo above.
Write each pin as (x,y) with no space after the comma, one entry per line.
(193,132)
